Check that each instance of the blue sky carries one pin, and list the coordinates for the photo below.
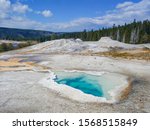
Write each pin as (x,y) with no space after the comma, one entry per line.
(71,15)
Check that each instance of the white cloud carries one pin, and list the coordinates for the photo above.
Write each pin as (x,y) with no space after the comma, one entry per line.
(125,4)
(19,22)
(46,13)
(9,16)
(4,4)
(4,8)
(20,8)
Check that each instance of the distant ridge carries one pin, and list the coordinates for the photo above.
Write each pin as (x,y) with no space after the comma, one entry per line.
(22,34)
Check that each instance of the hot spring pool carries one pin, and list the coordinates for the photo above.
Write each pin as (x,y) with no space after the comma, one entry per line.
(85,86)
(86,83)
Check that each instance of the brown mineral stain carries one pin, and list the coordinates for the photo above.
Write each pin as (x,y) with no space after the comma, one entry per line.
(15,64)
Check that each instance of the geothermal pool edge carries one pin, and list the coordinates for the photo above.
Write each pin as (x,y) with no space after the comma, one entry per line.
(117,94)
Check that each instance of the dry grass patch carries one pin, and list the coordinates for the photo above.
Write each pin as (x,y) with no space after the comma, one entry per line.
(139,54)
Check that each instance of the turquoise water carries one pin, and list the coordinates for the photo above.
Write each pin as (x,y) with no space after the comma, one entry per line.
(86,83)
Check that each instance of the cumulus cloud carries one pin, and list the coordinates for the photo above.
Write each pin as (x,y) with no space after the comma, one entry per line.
(4,4)
(125,4)
(20,8)
(4,8)
(47,13)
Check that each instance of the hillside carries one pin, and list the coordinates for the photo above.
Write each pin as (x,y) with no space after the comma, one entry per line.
(22,34)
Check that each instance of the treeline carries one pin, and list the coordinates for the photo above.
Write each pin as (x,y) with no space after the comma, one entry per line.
(136,32)
(22,34)
(6,47)
(133,33)
(10,46)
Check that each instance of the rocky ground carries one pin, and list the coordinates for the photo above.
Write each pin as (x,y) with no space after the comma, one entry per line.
(21,70)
